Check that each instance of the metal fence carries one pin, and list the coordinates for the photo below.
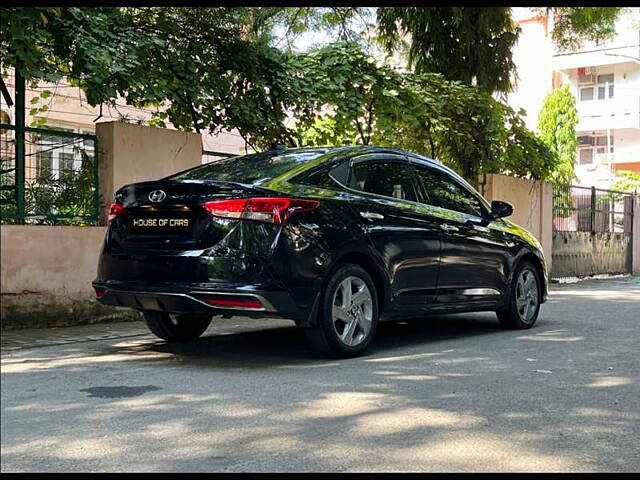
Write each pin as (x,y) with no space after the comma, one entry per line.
(590,209)
(51,177)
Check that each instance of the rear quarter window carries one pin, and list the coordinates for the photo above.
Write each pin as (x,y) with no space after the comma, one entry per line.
(327,176)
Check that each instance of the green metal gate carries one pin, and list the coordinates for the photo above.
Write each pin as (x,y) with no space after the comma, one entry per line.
(48,176)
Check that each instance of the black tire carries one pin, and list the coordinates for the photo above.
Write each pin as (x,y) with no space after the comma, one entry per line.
(511,316)
(326,337)
(176,328)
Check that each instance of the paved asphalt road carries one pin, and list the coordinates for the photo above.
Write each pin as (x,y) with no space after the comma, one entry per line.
(447,394)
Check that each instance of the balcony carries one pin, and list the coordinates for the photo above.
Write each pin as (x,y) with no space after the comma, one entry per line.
(612,114)
(597,55)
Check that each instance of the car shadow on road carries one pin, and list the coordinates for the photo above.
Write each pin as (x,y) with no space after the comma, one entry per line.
(287,345)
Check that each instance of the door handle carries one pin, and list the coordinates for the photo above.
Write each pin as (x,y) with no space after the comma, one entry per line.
(448,228)
(371,215)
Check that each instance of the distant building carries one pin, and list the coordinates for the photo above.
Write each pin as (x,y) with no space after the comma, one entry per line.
(605,80)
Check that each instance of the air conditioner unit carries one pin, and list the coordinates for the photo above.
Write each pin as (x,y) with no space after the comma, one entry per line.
(586,79)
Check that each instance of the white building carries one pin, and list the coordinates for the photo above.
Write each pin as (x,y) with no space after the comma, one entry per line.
(605,80)
(533,55)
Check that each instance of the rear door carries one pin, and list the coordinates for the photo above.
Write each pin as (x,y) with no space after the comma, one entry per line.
(404,234)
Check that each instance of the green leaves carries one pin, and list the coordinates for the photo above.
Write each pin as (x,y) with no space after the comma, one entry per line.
(365,102)
(630,182)
(556,127)
(573,25)
(468,44)
(214,69)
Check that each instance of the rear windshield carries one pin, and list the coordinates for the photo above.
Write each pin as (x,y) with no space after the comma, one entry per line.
(253,168)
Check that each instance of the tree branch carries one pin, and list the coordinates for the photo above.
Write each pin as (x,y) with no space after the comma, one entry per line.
(370,110)
(362,137)
(430,139)
(193,111)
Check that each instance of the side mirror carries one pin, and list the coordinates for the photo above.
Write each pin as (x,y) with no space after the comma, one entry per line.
(500,209)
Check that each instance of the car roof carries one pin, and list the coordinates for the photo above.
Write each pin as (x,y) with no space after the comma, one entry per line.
(351,151)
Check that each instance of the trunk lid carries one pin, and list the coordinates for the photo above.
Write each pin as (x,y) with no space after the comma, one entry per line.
(168,214)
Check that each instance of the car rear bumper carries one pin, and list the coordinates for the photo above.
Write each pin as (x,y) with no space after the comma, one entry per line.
(203,299)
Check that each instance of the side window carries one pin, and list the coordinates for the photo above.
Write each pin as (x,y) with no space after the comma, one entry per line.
(440,191)
(389,179)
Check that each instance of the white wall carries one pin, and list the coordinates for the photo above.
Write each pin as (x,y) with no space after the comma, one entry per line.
(627,146)
(533,58)
(229,142)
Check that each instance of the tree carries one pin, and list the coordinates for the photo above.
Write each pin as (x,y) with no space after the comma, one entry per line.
(353,99)
(283,26)
(468,44)
(630,182)
(203,68)
(573,25)
(556,128)
(474,45)
(215,69)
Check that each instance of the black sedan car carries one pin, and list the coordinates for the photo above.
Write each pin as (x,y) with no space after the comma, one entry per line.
(335,239)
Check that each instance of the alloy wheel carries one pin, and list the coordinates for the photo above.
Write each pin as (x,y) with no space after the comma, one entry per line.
(527,297)
(352,311)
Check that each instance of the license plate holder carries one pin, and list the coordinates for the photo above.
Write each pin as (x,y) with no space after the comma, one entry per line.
(162,223)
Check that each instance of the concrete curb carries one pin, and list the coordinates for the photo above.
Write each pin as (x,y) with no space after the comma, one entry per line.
(36,310)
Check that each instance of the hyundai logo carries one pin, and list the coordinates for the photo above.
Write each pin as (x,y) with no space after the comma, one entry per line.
(157,196)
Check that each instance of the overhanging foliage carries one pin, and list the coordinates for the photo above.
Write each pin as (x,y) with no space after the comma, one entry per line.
(212,69)
(352,99)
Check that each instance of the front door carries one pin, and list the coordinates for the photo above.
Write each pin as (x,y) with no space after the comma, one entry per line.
(474,257)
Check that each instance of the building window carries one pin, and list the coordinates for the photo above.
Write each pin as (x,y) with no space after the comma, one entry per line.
(604,82)
(602,88)
(593,149)
(601,141)
(586,156)
(586,93)
(45,163)
(58,155)
(602,92)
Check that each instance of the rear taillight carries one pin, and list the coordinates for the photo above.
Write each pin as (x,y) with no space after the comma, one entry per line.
(268,210)
(115,210)
(100,292)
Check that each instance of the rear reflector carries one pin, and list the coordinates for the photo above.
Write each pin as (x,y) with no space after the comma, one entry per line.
(223,302)
(100,292)
(115,210)
(268,210)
